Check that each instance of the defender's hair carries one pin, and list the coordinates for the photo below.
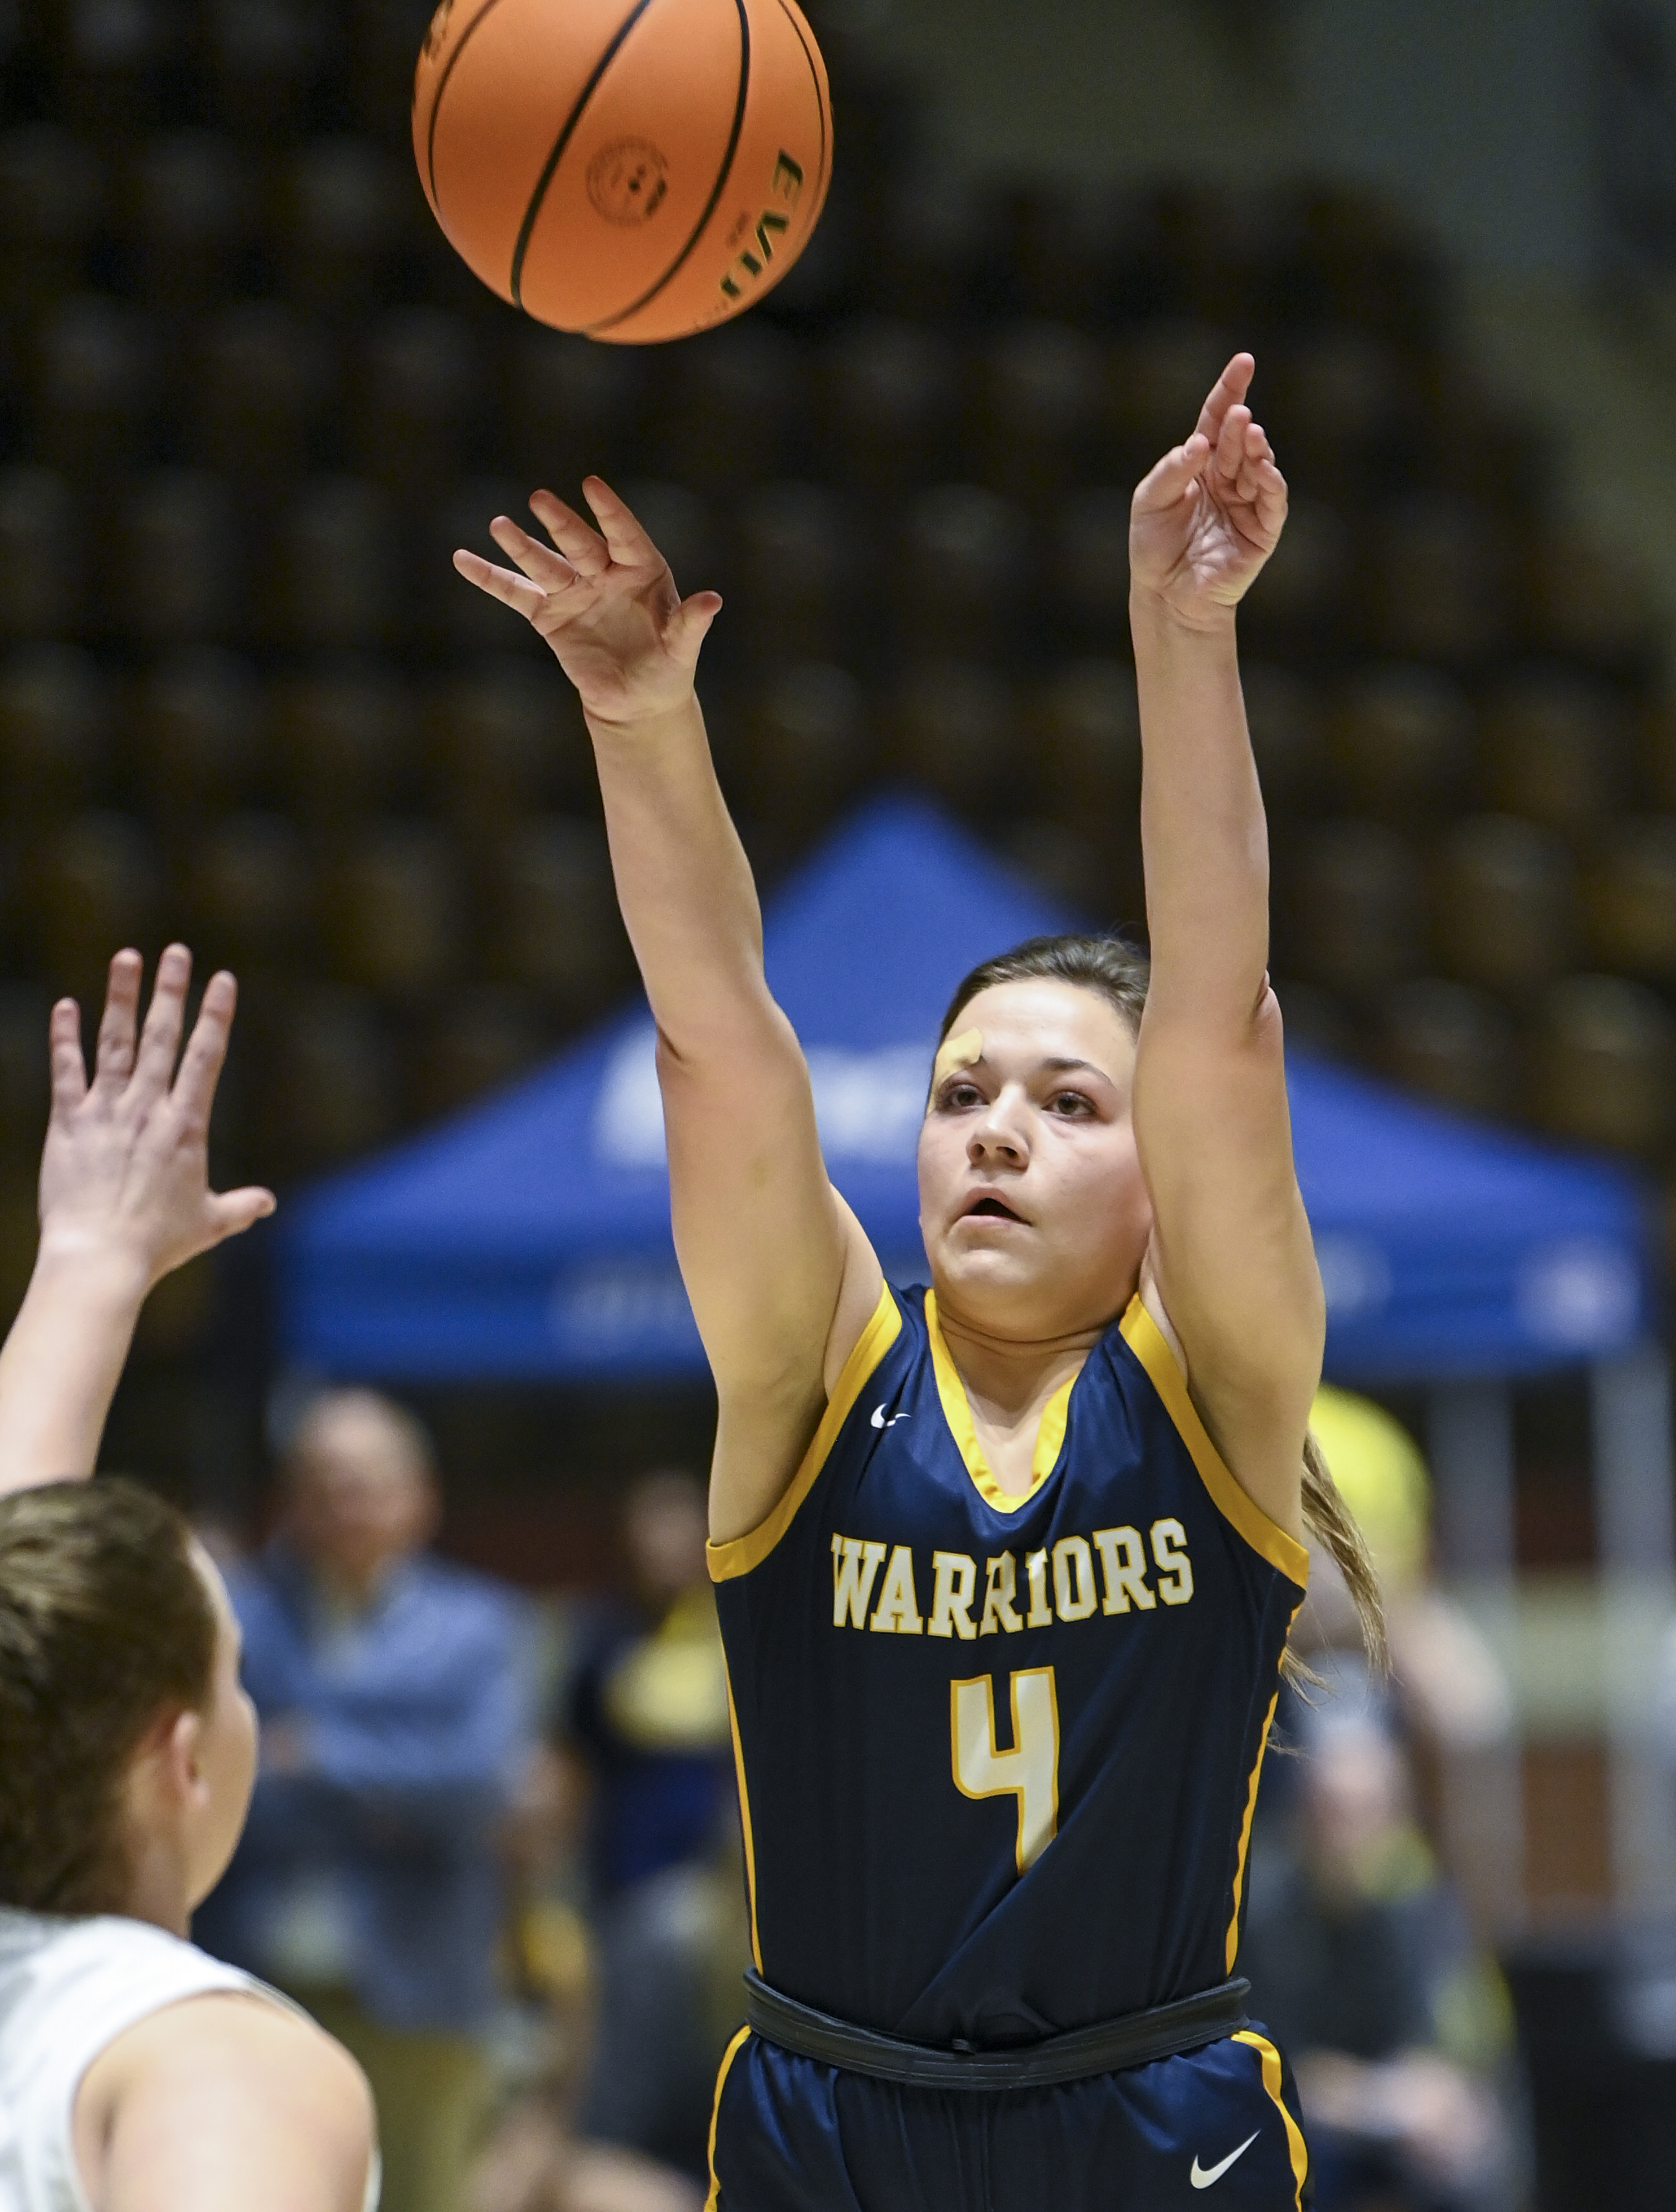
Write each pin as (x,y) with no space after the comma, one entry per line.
(105,1625)
(1118,972)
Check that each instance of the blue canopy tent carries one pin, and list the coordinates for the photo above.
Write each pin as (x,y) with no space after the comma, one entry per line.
(529,1238)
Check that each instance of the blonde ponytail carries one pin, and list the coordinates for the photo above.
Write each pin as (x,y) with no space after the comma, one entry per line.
(1329,1520)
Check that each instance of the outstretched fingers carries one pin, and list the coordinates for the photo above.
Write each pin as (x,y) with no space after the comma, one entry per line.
(582,547)
(160,1039)
(626,535)
(113,1053)
(205,1055)
(539,562)
(517,593)
(68,1068)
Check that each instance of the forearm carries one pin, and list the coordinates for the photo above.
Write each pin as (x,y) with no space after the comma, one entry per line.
(683,880)
(1203,840)
(61,1364)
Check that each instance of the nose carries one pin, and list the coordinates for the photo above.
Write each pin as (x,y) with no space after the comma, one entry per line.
(999,1134)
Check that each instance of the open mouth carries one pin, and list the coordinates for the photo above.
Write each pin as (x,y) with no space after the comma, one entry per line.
(991,1209)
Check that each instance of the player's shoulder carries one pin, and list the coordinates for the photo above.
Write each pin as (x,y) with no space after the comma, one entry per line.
(227,2030)
(224,2049)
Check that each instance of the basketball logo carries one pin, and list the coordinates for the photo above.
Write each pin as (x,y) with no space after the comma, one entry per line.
(435,32)
(628,181)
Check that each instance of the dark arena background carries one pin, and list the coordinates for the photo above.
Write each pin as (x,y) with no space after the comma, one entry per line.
(250,402)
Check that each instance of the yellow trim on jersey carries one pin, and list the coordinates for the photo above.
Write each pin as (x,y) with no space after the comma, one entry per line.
(744,1817)
(1272,2081)
(1146,1340)
(1245,1832)
(741,1554)
(727,2057)
(957,1411)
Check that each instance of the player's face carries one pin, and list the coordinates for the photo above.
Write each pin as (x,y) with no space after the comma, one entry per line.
(224,1753)
(1031,1201)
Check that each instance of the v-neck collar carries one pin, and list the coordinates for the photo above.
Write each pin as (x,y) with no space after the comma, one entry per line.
(957,1413)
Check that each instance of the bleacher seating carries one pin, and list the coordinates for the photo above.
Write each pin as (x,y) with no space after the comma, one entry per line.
(249,401)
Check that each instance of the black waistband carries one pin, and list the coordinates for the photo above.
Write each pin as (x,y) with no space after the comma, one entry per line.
(1134,2040)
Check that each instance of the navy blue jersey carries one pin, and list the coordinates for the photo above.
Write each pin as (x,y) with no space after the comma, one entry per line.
(998,1756)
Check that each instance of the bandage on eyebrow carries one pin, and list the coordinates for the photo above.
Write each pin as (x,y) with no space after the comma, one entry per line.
(958,1052)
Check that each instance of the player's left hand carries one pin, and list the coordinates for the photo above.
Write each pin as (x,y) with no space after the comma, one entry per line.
(1210,515)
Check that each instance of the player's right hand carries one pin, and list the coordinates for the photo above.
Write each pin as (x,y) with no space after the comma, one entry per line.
(124,1176)
(604,601)
(1209,515)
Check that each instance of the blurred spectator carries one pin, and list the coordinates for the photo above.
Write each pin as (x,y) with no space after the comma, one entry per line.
(1448,1693)
(647,1716)
(534,2164)
(1361,1963)
(1449,1684)
(646,1702)
(393,1698)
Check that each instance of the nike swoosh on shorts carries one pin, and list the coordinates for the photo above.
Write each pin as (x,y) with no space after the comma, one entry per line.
(1202,2179)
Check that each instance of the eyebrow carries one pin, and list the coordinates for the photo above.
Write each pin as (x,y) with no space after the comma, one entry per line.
(1052,1067)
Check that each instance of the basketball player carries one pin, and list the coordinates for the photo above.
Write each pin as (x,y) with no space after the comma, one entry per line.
(137,2074)
(1005,1567)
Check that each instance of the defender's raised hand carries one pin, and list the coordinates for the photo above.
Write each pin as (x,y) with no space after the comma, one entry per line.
(125,1197)
(125,1176)
(604,601)
(1210,515)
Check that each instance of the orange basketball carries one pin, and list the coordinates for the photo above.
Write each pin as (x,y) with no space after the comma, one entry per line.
(637,169)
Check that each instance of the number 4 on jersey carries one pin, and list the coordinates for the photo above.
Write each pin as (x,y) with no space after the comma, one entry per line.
(1029,1771)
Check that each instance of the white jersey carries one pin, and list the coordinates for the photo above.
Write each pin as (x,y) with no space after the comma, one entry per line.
(69,1988)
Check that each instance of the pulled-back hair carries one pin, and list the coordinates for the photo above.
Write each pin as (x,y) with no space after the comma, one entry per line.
(1117,972)
(105,1623)
(1108,964)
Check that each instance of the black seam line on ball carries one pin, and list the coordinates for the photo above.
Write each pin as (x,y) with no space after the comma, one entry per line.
(452,63)
(820,102)
(723,174)
(532,212)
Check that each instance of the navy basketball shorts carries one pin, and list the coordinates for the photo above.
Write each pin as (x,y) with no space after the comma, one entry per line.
(1216,2129)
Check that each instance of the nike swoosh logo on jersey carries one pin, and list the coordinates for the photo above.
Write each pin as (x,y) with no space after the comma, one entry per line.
(1201,2179)
(879,1421)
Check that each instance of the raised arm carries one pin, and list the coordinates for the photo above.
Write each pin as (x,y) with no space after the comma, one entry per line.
(780,1278)
(124,1199)
(1231,1261)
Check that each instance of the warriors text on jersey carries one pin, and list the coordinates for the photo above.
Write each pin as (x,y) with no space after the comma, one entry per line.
(998,1756)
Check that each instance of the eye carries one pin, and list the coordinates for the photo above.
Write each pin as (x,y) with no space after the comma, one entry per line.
(956,1096)
(1070,1105)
